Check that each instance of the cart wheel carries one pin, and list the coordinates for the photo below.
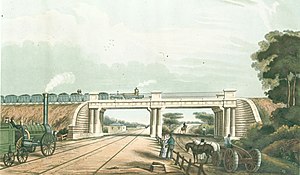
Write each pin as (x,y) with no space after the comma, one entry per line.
(48,144)
(216,158)
(8,159)
(231,160)
(254,165)
(22,155)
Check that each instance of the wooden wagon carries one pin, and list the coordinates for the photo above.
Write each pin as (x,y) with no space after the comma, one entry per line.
(232,157)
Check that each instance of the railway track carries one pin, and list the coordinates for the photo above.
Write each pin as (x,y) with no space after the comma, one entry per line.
(95,152)
(69,148)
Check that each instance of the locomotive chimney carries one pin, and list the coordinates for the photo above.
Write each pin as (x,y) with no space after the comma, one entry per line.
(45,108)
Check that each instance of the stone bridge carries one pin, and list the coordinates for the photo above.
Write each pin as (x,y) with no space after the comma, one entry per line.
(232,115)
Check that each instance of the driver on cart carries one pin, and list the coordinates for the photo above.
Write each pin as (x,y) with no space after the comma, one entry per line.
(227,141)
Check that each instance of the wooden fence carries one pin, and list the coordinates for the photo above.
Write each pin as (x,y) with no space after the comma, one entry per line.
(184,164)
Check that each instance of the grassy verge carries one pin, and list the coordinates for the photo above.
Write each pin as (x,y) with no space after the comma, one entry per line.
(277,166)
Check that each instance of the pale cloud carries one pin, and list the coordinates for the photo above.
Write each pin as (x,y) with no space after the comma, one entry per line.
(264,10)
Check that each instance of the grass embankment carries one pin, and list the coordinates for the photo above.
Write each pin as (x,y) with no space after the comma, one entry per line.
(277,166)
(59,117)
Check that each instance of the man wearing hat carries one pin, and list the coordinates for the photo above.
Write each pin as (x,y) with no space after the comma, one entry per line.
(171,145)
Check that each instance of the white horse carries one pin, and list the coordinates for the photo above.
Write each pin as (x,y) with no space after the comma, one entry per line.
(216,146)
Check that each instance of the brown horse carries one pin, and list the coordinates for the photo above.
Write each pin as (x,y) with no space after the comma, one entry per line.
(199,149)
(183,129)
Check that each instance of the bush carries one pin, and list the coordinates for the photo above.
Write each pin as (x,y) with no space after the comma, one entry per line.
(261,137)
(209,129)
(105,130)
(286,116)
(257,137)
(63,131)
(287,149)
(285,132)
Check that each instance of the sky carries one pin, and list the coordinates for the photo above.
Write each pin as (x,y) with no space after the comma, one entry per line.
(109,46)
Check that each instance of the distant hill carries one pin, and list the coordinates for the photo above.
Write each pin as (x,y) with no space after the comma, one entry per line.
(60,116)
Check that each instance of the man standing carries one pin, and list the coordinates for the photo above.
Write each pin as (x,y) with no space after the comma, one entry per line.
(171,145)
(204,131)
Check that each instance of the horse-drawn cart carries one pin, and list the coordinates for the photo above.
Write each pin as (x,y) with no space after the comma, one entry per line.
(232,157)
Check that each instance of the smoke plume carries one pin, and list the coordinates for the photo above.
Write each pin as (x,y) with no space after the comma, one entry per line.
(64,78)
(146,83)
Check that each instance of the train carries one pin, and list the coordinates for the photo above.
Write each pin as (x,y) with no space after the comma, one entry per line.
(66,98)
(20,140)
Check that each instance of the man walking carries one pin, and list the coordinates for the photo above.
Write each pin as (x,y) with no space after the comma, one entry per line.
(171,145)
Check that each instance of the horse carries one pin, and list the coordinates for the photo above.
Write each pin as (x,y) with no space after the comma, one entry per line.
(200,149)
(183,129)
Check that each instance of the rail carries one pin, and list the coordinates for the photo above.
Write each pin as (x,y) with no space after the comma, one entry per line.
(184,164)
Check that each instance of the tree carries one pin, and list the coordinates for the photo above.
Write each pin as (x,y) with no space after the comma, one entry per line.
(286,116)
(205,117)
(278,63)
(171,119)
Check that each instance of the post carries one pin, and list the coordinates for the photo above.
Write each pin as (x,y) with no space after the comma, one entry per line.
(182,162)
(189,166)
(177,159)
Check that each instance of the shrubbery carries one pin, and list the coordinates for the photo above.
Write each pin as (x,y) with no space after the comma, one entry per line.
(62,131)
(262,137)
(209,129)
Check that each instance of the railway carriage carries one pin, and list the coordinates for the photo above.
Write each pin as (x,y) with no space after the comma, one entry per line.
(37,98)
(86,97)
(24,98)
(2,99)
(103,96)
(52,98)
(116,96)
(11,99)
(63,97)
(75,97)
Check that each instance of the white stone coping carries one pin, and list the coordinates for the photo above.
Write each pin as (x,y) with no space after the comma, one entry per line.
(254,109)
(76,113)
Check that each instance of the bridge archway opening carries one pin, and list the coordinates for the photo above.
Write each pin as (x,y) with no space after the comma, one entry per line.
(129,115)
(190,118)
(138,118)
